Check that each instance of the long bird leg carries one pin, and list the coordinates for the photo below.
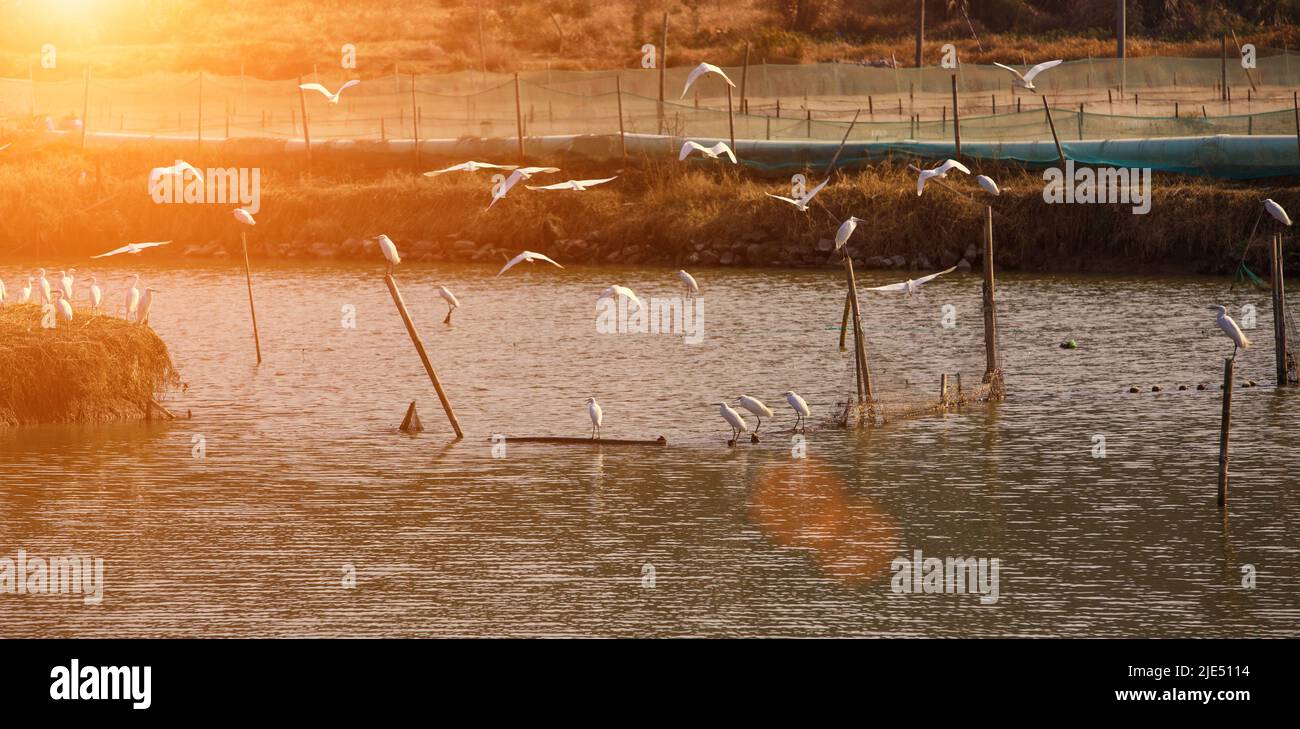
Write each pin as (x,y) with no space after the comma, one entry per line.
(448,319)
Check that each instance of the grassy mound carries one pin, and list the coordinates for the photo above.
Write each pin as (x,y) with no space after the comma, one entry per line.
(92,369)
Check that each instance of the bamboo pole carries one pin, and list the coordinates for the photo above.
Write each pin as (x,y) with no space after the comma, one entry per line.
(1279,312)
(844,322)
(744,77)
(831,167)
(519,119)
(956,119)
(859,347)
(85,106)
(248,279)
(991,365)
(1225,425)
(1052,125)
(198,132)
(663,66)
(415,125)
(622,137)
(731,121)
(424,357)
(306,131)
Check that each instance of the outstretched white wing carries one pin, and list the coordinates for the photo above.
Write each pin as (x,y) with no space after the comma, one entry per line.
(700,70)
(526,256)
(951,164)
(924,177)
(815,190)
(113,252)
(689,147)
(933,276)
(721,147)
(571,184)
(623,291)
(348,85)
(1012,70)
(527,172)
(792,202)
(317,87)
(1031,73)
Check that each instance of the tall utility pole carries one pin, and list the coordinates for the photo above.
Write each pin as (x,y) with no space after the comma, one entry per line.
(920,29)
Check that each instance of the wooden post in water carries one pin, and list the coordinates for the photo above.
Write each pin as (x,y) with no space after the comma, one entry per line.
(248,279)
(859,346)
(618,90)
(844,322)
(956,120)
(424,357)
(1225,425)
(306,132)
(519,119)
(1279,313)
(831,167)
(1052,125)
(415,125)
(85,106)
(992,367)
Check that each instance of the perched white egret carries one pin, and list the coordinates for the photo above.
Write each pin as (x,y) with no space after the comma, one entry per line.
(911,286)
(25,293)
(389,249)
(578,185)
(243,216)
(526,256)
(800,407)
(146,303)
(597,415)
(802,203)
(333,98)
(615,291)
(62,306)
(133,297)
(177,170)
(846,229)
(43,286)
(711,152)
(452,302)
(988,184)
(692,286)
(756,406)
(65,282)
(703,70)
(737,423)
(939,172)
(470,166)
(135,248)
(96,294)
(1026,81)
(1230,328)
(1277,212)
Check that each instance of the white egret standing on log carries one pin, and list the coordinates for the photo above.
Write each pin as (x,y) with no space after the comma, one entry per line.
(702,70)
(62,305)
(389,249)
(756,406)
(1230,328)
(1277,212)
(800,407)
(332,98)
(43,286)
(96,294)
(939,172)
(736,422)
(692,286)
(146,303)
(911,286)
(526,256)
(133,297)
(1026,81)
(597,415)
(132,248)
(802,203)
(712,152)
(452,303)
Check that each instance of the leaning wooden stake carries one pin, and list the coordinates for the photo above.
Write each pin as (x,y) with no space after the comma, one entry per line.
(1225,425)
(844,322)
(831,167)
(859,346)
(956,120)
(1279,313)
(622,138)
(731,121)
(248,279)
(424,357)
(1052,125)
(519,119)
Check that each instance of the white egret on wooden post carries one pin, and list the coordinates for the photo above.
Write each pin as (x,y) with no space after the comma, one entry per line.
(1277,212)
(389,249)
(1229,327)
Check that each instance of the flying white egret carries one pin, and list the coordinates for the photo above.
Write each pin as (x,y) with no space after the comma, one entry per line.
(988,184)
(702,70)
(615,291)
(389,249)
(499,191)
(939,172)
(133,297)
(135,248)
(737,423)
(65,282)
(578,185)
(452,302)
(526,256)
(911,286)
(333,98)
(25,293)
(96,294)
(756,406)
(802,203)
(177,170)
(5,146)
(62,306)
(243,216)
(146,303)
(1277,212)
(470,166)
(43,286)
(800,407)
(712,152)
(528,172)
(1230,328)
(1026,81)
(846,229)
(597,415)
(692,286)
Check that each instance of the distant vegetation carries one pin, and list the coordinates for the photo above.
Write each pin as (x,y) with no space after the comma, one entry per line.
(281,39)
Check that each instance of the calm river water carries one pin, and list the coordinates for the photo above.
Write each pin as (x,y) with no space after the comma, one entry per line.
(306,484)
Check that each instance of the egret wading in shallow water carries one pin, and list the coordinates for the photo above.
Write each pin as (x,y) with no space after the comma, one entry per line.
(911,286)
(133,297)
(135,248)
(470,166)
(939,172)
(755,406)
(802,203)
(389,249)
(1277,212)
(452,303)
(146,303)
(96,295)
(528,256)
(615,291)
(736,422)
(704,69)
(332,98)
(800,407)
(1026,81)
(597,415)
(1230,328)
(688,281)
(711,152)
